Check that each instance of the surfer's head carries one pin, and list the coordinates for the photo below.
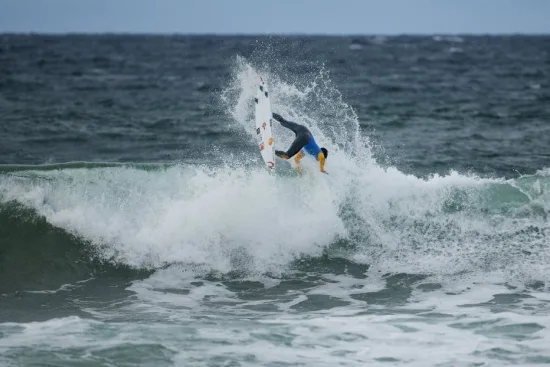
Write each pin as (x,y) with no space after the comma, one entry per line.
(325,152)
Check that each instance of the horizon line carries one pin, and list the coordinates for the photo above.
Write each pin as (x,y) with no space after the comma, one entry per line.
(271,34)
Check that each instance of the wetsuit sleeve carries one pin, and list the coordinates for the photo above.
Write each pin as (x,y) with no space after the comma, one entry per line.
(321,158)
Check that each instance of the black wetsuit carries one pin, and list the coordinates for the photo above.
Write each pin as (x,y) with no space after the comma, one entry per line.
(303,136)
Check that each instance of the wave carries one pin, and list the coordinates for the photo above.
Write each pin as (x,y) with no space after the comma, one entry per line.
(35,255)
(238,216)
(233,217)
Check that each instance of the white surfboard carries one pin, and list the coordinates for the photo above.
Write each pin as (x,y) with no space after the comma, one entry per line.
(266,141)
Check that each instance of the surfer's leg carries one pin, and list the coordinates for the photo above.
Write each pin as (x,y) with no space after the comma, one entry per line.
(281,154)
(297,159)
(297,145)
(292,126)
(296,128)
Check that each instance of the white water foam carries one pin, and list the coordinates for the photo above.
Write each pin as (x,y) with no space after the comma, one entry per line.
(214,215)
(191,215)
(453,325)
(477,239)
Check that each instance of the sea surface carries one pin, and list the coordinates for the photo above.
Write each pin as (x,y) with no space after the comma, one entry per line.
(140,227)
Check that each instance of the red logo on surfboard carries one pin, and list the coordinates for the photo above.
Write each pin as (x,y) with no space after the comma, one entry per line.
(270,164)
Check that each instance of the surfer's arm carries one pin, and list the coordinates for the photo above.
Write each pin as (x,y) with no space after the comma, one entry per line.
(321,158)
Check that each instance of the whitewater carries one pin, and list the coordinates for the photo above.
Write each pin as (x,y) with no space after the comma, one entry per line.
(368,265)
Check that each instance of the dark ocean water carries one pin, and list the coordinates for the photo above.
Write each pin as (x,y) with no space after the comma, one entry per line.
(138,225)
(481,102)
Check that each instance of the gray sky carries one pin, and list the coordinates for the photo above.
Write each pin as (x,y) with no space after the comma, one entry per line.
(276,16)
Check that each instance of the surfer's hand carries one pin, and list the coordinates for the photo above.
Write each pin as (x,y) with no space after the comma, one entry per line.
(277,117)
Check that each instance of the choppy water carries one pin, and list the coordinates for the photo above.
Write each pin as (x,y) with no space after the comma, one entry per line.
(132,199)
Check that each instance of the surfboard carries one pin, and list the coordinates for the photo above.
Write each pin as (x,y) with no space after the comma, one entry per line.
(264,122)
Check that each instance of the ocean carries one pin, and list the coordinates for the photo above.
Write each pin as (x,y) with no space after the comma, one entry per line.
(140,227)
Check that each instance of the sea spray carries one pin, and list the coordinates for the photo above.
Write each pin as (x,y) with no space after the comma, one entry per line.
(215,215)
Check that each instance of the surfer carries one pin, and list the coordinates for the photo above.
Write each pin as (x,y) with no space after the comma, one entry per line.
(303,144)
